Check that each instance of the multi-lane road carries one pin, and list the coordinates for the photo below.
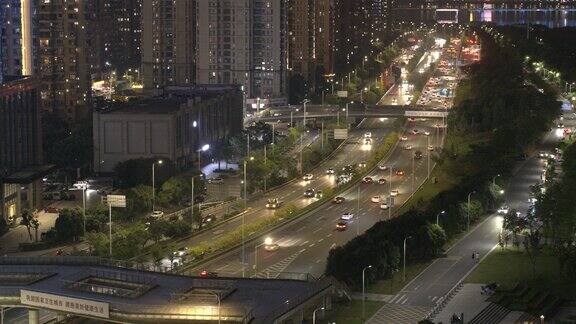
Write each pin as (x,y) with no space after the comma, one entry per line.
(304,244)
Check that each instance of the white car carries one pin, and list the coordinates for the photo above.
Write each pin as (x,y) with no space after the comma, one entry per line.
(157,214)
(384,206)
(368,135)
(308,177)
(330,171)
(394,193)
(375,199)
(81,185)
(503,210)
(404,138)
(347,217)
(408,147)
(216,180)
(427,133)
(383,167)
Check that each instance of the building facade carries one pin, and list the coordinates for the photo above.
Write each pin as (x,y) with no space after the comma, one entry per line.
(302,39)
(120,22)
(16,38)
(68,53)
(175,125)
(21,167)
(243,43)
(168,43)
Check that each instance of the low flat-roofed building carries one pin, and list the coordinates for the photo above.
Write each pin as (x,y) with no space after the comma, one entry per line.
(174,125)
(111,291)
(21,168)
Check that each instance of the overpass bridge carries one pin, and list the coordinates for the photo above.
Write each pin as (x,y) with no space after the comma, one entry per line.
(390,111)
(115,291)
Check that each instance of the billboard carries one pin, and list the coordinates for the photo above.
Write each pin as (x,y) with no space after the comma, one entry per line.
(341,134)
(342,94)
(65,304)
(446,16)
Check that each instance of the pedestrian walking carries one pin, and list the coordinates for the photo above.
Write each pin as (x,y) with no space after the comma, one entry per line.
(477,257)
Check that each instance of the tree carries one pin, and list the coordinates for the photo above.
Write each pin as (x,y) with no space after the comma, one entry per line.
(27,218)
(136,172)
(173,191)
(99,243)
(69,225)
(138,201)
(532,247)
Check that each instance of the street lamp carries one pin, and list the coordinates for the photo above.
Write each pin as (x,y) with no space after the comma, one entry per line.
(468,209)
(314,314)
(494,179)
(204,148)
(267,242)
(154,183)
(404,259)
(364,289)
(304,103)
(438,216)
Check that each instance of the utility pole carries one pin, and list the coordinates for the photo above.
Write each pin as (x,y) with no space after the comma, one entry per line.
(390,194)
(245,208)
(358,213)
(322,140)
(192,204)
(265,163)
(429,153)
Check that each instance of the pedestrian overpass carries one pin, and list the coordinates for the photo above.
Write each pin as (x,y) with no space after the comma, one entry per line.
(114,291)
(390,111)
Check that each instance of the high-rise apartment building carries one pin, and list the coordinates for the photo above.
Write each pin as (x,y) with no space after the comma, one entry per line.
(244,43)
(168,43)
(121,30)
(302,39)
(68,54)
(21,169)
(16,47)
(324,34)
(359,24)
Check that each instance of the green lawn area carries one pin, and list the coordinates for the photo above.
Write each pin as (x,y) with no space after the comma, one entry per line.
(445,180)
(510,267)
(350,312)
(393,285)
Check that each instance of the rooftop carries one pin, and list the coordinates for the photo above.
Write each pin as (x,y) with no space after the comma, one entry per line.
(171,99)
(146,296)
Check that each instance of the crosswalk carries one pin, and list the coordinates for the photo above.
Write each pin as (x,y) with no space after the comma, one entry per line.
(393,313)
(273,271)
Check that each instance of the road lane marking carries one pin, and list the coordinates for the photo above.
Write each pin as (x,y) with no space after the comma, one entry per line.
(320,240)
(329,235)
(317,230)
(332,246)
(305,243)
(311,245)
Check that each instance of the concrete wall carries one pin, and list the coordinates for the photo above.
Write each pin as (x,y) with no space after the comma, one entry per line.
(121,137)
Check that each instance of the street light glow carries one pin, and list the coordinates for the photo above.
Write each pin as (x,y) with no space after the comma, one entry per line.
(206,147)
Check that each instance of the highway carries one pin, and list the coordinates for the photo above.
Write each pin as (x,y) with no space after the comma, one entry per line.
(303,245)
(352,152)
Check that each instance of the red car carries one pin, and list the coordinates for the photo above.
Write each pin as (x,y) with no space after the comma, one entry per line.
(207,274)
(399,172)
(341,226)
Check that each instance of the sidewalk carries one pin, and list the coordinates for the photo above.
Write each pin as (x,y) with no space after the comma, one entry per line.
(10,241)
(469,299)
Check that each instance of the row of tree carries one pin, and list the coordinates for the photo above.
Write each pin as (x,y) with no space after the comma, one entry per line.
(491,106)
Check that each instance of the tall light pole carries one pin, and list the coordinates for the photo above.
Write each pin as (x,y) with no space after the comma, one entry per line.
(358,212)
(438,216)
(390,194)
(494,179)
(314,314)
(192,203)
(468,210)
(243,221)
(413,173)
(84,209)
(154,184)
(404,259)
(204,148)
(304,103)
(429,154)
(364,290)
